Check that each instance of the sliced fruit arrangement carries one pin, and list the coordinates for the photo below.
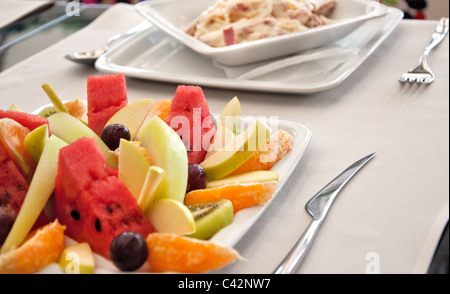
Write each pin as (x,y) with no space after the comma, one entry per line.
(146,184)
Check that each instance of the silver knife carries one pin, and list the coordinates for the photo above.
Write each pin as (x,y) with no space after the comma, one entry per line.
(318,207)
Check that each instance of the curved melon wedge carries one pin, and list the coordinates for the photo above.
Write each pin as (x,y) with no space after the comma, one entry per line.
(167,151)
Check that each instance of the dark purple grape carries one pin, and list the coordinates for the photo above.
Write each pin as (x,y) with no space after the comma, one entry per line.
(128,251)
(196,177)
(112,134)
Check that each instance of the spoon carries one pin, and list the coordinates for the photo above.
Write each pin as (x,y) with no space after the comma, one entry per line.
(89,57)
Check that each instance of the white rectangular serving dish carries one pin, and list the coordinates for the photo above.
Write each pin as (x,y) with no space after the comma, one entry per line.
(174,16)
(153,55)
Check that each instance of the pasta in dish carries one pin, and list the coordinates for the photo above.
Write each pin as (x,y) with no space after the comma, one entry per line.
(231,22)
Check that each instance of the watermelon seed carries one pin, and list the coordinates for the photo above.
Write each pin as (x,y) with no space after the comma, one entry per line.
(98,226)
(75,214)
(108,209)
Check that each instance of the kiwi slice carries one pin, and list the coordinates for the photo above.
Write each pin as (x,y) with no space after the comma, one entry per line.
(48,111)
(211,217)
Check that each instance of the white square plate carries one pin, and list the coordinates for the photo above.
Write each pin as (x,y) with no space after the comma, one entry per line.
(174,16)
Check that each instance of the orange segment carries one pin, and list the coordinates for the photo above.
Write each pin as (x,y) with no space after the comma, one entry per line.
(42,248)
(77,108)
(269,153)
(142,149)
(12,136)
(161,108)
(241,195)
(175,253)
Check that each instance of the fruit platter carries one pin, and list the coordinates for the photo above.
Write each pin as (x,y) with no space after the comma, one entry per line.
(103,184)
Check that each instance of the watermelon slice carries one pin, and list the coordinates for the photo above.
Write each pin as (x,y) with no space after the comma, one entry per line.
(197,131)
(14,187)
(105,96)
(31,121)
(91,200)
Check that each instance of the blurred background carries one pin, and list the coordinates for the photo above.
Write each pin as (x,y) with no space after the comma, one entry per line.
(421,9)
(413,9)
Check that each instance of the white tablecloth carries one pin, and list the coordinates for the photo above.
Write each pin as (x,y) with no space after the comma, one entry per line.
(12,10)
(391,214)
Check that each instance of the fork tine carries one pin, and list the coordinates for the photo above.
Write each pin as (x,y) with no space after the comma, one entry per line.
(422,73)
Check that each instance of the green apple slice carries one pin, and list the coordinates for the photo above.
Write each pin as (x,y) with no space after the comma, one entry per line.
(222,137)
(132,115)
(167,151)
(171,216)
(152,183)
(234,154)
(39,191)
(249,177)
(35,142)
(77,259)
(133,167)
(230,116)
(69,129)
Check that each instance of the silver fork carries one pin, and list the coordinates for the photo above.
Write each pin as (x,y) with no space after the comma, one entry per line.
(422,73)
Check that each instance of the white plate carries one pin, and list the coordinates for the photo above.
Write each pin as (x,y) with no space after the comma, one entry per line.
(244,219)
(174,16)
(153,55)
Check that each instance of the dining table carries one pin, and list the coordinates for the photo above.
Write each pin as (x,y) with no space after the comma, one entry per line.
(391,218)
